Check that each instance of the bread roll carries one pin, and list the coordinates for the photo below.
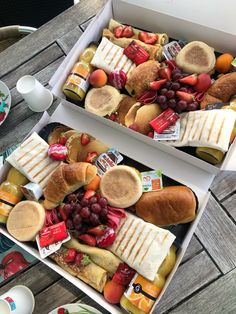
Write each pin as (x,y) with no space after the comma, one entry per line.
(170,206)
(25,220)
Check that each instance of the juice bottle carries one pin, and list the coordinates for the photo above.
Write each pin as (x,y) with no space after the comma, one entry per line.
(141,293)
(10,192)
(77,82)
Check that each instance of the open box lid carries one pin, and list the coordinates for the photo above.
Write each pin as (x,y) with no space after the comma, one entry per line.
(210,21)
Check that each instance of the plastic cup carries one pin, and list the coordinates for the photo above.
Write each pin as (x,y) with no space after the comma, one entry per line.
(34,93)
(18,300)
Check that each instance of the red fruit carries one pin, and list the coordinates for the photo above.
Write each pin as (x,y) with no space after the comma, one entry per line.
(156,85)
(165,72)
(112,117)
(98,231)
(136,53)
(70,255)
(148,38)
(82,259)
(190,79)
(88,239)
(117,78)
(107,238)
(171,64)
(118,31)
(133,127)
(84,139)
(2,116)
(150,134)
(62,139)
(61,310)
(203,82)
(123,274)
(64,214)
(185,96)
(113,292)
(148,97)
(91,157)
(88,194)
(127,32)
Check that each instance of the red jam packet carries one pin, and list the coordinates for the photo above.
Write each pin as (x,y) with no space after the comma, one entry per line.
(52,234)
(136,53)
(165,119)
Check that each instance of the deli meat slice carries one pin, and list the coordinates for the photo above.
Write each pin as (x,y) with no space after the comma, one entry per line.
(142,245)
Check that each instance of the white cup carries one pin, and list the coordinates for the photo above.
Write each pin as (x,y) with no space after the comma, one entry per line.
(18,300)
(38,97)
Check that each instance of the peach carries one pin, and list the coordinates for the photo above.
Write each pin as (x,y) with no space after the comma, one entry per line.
(203,82)
(113,292)
(98,78)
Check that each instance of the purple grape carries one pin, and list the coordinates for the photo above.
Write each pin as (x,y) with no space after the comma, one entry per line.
(167,85)
(104,212)
(182,105)
(164,106)
(163,91)
(68,208)
(161,99)
(77,208)
(69,224)
(85,212)
(93,200)
(175,71)
(172,103)
(80,195)
(77,220)
(176,76)
(96,208)
(177,109)
(183,89)
(170,94)
(175,86)
(192,106)
(102,202)
(94,219)
(84,202)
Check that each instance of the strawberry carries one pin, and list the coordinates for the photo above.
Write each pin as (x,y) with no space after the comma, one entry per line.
(136,53)
(91,157)
(123,274)
(82,259)
(147,38)
(62,139)
(190,79)
(147,97)
(88,194)
(88,239)
(165,73)
(98,231)
(61,310)
(2,116)
(133,127)
(118,31)
(70,256)
(171,64)
(64,215)
(84,139)
(112,117)
(150,134)
(185,96)
(127,32)
(106,239)
(155,85)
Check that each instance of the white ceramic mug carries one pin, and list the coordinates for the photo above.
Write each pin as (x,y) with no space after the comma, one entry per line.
(18,300)
(38,97)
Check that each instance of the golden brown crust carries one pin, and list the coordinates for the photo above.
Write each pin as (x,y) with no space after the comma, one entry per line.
(208,99)
(55,135)
(93,146)
(169,206)
(146,114)
(142,76)
(126,103)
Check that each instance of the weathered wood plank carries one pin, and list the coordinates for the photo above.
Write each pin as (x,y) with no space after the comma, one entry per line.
(190,277)
(217,233)
(86,24)
(31,45)
(34,65)
(224,184)
(230,206)
(193,248)
(217,298)
(37,278)
(67,41)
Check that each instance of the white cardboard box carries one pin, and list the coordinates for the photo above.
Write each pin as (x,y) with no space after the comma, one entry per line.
(195,178)
(179,19)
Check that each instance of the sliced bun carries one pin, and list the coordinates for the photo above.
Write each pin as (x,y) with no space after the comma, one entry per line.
(126,103)
(121,186)
(131,114)
(196,57)
(102,101)
(25,220)
(146,114)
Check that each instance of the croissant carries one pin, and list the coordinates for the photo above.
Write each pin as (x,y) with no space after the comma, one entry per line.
(65,180)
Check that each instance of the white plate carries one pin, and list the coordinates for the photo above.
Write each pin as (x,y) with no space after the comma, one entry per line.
(77,308)
(5,101)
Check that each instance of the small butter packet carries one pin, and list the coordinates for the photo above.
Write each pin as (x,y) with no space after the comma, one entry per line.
(171,49)
(171,133)
(32,191)
(151,180)
(108,160)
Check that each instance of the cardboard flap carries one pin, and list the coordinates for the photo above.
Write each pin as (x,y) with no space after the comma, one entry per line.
(183,19)
(197,179)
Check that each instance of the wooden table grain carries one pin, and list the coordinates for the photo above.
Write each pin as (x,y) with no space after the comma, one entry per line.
(206,279)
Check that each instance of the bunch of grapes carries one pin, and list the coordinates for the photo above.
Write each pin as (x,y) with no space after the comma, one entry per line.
(84,213)
(167,97)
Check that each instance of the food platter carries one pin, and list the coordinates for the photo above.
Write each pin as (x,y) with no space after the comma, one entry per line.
(5,102)
(76,308)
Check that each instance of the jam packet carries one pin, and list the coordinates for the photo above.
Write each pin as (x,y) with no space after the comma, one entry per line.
(108,160)
(171,133)
(164,120)
(151,180)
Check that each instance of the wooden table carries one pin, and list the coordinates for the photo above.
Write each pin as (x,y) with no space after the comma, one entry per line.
(206,280)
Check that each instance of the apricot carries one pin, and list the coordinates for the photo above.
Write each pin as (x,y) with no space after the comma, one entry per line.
(223,63)
(98,78)
(113,292)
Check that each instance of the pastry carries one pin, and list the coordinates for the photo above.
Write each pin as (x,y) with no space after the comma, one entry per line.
(65,180)
(141,77)
(126,103)
(25,220)
(141,245)
(102,101)
(121,186)
(93,146)
(170,206)
(221,90)
(131,114)
(56,133)
(31,159)
(196,57)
